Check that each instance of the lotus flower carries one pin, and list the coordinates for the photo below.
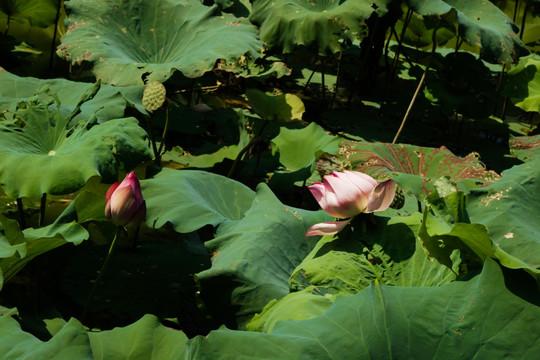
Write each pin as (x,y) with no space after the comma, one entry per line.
(347,194)
(125,203)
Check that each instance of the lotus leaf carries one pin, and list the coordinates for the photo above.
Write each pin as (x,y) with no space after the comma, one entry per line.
(126,39)
(523,84)
(18,247)
(415,167)
(286,24)
(281,108)
(510,209)
(108,103)
(41,154)
(446,227)
(299,148)
(37,12)
(525,148)
(481,24)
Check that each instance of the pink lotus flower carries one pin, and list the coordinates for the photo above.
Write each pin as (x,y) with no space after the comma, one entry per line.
(347,194)
(125,203)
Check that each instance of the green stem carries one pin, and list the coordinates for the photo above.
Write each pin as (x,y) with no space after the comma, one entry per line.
(100,275)
(153,141)
(42,208)
(20,209)
(164,135)
(54,34)
(523,20)
(420,84)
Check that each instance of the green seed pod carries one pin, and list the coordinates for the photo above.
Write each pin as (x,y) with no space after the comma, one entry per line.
(399,199)
(153,95)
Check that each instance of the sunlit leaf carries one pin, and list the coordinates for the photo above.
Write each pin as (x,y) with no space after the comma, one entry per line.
(168,35)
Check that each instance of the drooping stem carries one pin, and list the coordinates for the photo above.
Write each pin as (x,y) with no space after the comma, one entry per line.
(100,274)
(420,84)
(58,7)
(42,207)
(20,209)
(238,158)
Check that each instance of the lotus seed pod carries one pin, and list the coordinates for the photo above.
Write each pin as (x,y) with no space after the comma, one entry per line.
(399,199)
(153,95)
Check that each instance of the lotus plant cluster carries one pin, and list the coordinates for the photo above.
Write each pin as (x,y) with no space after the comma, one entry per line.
(347,194)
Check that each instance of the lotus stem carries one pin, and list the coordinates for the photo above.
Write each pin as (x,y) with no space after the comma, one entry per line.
(523,21)
(100,274)
(153,141)
(164,135)
(323,86)
(57,18)
(516,7)
(420,83)
(338,72)
(240,154)
(7,24)
(20,210)
(42,207)
(400,41)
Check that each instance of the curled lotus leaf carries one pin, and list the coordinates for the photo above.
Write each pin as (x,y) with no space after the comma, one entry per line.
(41,154)
(126,39)
(285,24)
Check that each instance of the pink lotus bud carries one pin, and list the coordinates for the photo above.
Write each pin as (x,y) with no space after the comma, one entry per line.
(125,203)
(347,194)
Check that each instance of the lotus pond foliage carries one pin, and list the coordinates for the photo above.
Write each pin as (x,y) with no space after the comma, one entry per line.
(302,179)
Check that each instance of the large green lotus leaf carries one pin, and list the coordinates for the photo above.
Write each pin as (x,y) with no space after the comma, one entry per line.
(479,318)
(415,167)
(522,83)
(446,227)
(37,12)
(144,339)
(300,305)
(109,102)
(481,24)
(126,39)
(321,24)
(44,155)
(389,253)
(17,247)
(253,258)
(300,148)
(71,342)
(191,199)
(510,209)
(525,148)
(281,108)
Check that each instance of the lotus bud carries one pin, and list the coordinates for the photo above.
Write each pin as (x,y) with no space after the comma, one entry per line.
(125,203)
(346,194)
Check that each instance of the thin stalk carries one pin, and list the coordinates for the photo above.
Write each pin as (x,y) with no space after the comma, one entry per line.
(22,218)
(420,84)
(164,135)
(240,154)
(42,207)
(310,77)
(400,41)
(57,18)
(153,141)
(7,24)
(337,80)
(100,275)
(523,21)
(323,63)
(499,87)
(516,7)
